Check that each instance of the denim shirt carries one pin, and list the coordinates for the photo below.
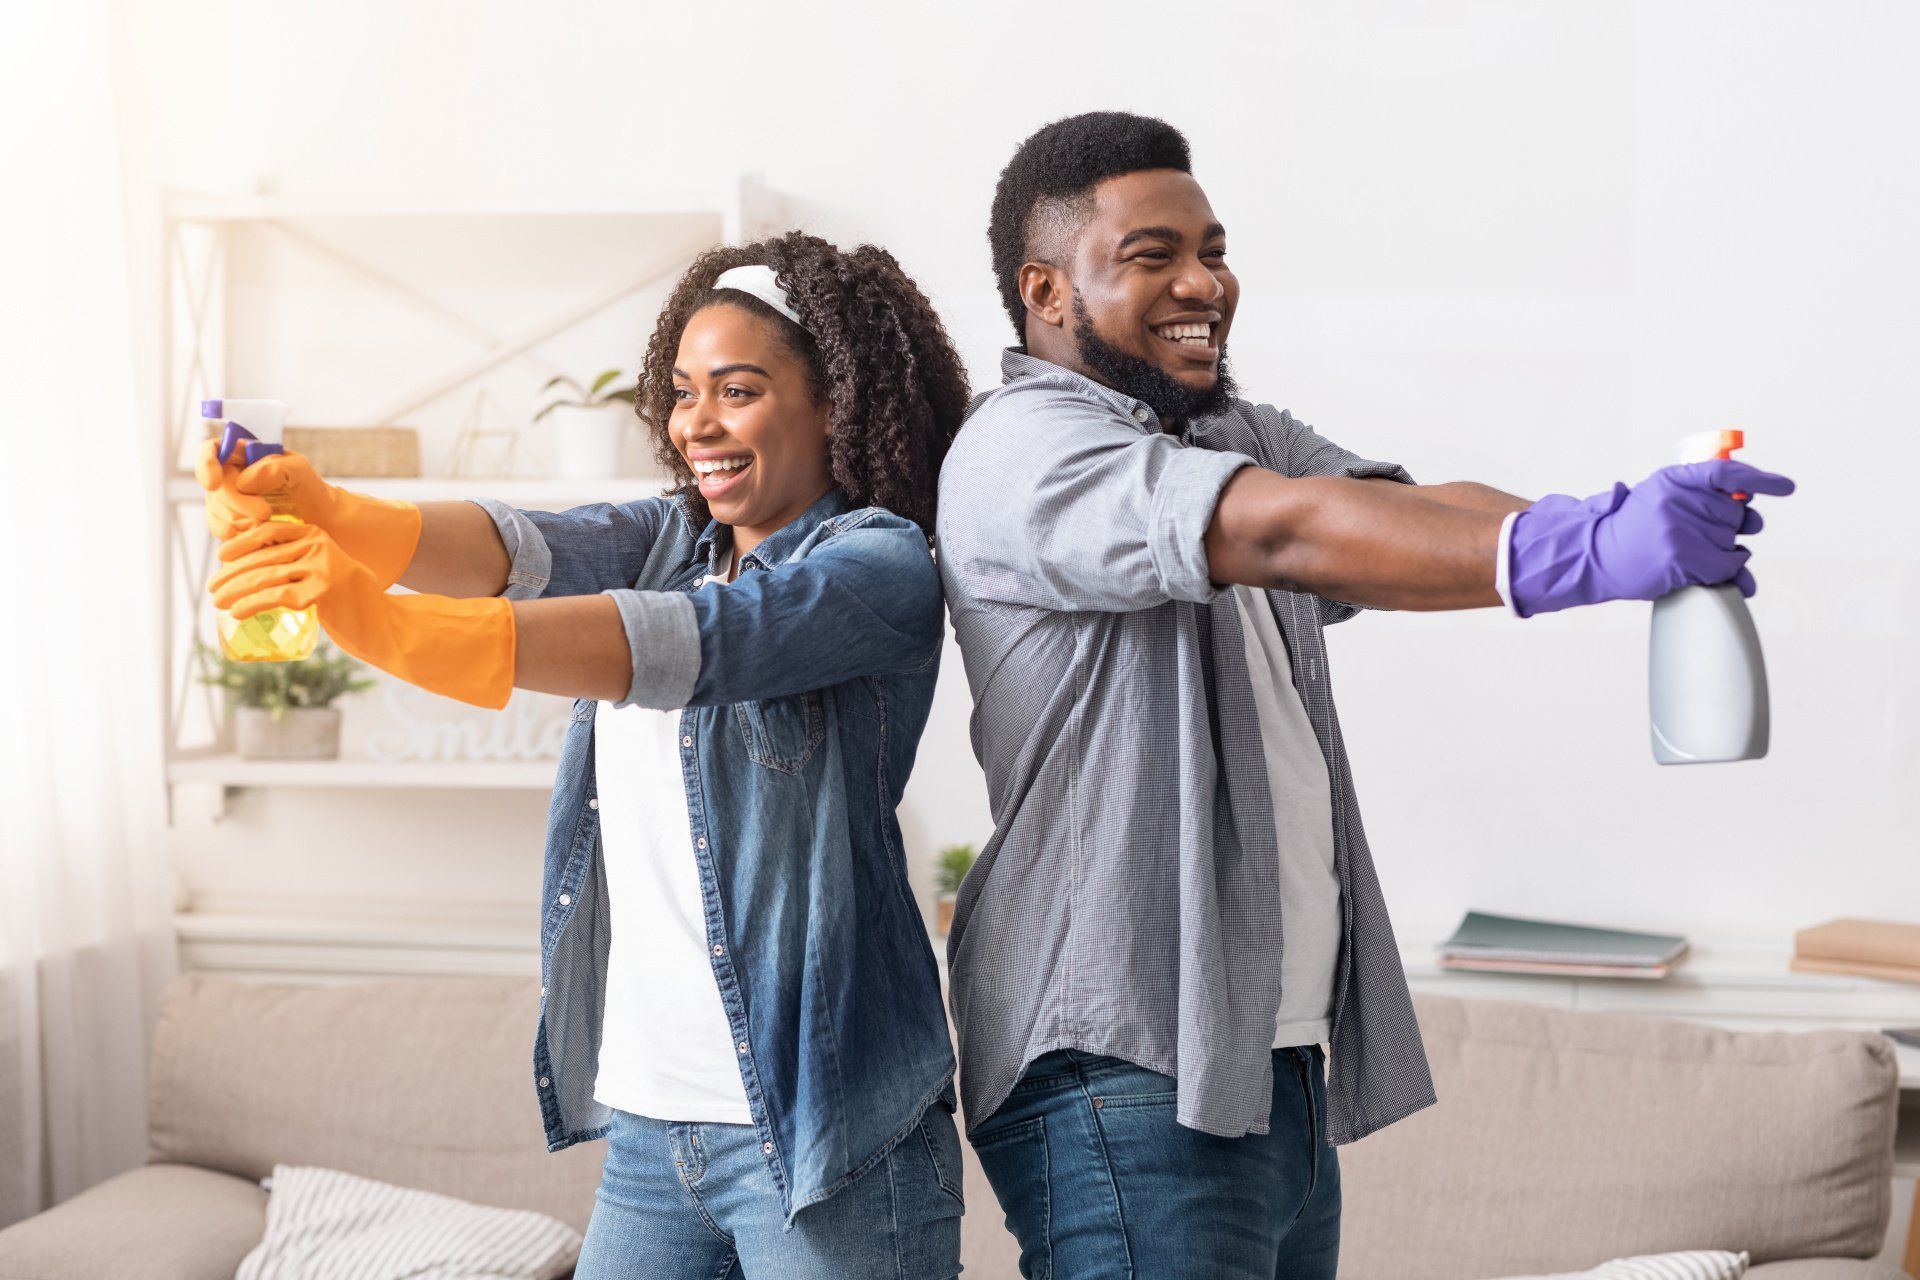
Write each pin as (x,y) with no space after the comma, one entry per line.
(803,687)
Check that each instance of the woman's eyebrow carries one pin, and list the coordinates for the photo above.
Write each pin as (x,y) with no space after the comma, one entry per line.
(721,371)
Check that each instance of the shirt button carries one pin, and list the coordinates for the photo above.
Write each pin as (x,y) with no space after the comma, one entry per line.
(687,741)
(593,803)
(702,842)
(544,1082)
(566,899)
(766,1148)
(1142,413)
(742,1046)
(719,950)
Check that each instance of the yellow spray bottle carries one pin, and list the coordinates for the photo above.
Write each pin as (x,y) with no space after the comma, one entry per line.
(273,635)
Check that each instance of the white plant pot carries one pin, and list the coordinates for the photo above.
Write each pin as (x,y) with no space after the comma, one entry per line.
(586,442)
(304,733)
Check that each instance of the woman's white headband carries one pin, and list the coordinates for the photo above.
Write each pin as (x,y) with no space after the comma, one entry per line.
(761,283)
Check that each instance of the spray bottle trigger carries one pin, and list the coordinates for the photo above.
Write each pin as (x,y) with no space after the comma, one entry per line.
(234,434)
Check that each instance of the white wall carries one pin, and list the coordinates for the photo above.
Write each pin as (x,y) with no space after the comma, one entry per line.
(1530,244)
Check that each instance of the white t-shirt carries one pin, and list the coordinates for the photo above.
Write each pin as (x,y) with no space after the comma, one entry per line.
(1310,919)
(666,1049)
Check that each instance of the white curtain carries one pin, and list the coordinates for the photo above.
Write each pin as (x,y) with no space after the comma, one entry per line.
(86,938)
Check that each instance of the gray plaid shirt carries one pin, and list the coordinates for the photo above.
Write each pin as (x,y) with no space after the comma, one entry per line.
(1128,902)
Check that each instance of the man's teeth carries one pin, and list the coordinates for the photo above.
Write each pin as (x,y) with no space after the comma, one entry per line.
(1191,335)
(716,466)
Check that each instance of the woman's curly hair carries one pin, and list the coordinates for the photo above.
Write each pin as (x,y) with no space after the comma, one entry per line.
(873,347)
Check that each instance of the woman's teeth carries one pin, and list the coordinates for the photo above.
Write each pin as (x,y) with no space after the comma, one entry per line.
(1187,335)
(718,466)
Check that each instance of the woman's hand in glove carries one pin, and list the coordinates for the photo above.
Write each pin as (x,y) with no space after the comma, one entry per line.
(461,648)
(380,534)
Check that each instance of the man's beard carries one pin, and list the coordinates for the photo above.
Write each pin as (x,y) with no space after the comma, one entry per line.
(1175,402)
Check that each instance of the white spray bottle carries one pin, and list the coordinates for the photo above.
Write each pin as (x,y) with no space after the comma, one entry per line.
(1706,678)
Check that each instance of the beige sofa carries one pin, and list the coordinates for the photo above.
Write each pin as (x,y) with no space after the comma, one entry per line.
(1562,1139)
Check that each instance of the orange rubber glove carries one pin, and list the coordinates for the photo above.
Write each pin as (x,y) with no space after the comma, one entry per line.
(461,648)
(380,534)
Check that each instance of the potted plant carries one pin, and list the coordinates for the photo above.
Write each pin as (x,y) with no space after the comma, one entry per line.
(284,710)
(949,869)
(588,424)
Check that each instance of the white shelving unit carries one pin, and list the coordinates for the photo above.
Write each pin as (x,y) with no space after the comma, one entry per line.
(198,236)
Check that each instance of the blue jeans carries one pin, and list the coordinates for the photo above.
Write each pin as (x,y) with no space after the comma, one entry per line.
(1098,1180)
(696,1202)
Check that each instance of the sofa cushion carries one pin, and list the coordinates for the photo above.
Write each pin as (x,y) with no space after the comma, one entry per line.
(1691,1264)
(322,1222)
(163,1222)
(1562,1138)
(1828,1269)
(421,1082)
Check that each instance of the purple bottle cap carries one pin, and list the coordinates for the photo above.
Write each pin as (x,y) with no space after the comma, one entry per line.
(210,408)
(258,449)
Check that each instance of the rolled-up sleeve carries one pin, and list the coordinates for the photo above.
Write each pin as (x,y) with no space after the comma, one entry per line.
(531,562)
(663,635)
(577,552)
(863,602)
(1055,500)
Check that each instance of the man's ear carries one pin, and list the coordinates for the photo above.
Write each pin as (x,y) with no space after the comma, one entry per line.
(1046,291)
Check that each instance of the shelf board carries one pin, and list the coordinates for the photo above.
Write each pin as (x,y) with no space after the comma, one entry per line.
(537,494)
(187,206)
(232,771)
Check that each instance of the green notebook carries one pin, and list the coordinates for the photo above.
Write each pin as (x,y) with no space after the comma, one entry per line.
(1482,936)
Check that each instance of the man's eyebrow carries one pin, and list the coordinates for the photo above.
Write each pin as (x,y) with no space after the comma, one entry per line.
(1149,233)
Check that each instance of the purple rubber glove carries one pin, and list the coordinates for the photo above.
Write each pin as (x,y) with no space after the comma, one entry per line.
(1673,529)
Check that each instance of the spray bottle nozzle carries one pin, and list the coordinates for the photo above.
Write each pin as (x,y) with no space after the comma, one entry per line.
(1706,446)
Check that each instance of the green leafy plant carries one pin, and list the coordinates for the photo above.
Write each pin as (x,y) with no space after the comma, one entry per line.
(602,391)
(280,687)
(951,867)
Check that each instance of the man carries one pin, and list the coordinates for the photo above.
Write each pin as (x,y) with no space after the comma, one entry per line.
(1177,915)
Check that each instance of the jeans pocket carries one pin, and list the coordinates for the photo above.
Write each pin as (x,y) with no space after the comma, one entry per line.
(942,1140)
(1017,1164)
(781,733)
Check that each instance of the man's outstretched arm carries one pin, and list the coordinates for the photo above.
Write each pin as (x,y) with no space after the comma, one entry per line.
(1369,542)
(1389,546)
(1468,495)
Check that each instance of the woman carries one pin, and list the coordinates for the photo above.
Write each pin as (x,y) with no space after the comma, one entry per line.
(737,989)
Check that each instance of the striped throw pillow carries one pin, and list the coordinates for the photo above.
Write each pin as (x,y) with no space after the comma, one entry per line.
(1695,1264)
(329,1225)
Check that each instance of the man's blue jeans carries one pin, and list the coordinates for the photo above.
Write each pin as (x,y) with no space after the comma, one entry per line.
(696,1202)
(1098,1180)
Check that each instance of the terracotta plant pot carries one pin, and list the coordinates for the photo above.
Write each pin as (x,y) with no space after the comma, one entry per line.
(943,908)
(304,733)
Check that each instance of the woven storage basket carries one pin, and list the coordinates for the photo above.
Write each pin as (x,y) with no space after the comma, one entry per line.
(358,451)
(351,451)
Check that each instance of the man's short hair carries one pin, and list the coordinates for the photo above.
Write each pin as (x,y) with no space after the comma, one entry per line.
(1045,193)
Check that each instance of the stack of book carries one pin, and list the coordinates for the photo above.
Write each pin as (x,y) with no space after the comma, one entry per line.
(1870,948)
(1509,944)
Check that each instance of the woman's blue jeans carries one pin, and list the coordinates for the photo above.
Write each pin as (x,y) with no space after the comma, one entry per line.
(696,1202)
(1098,1180)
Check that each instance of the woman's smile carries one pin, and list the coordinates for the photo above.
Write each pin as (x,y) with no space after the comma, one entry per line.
(718,471)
